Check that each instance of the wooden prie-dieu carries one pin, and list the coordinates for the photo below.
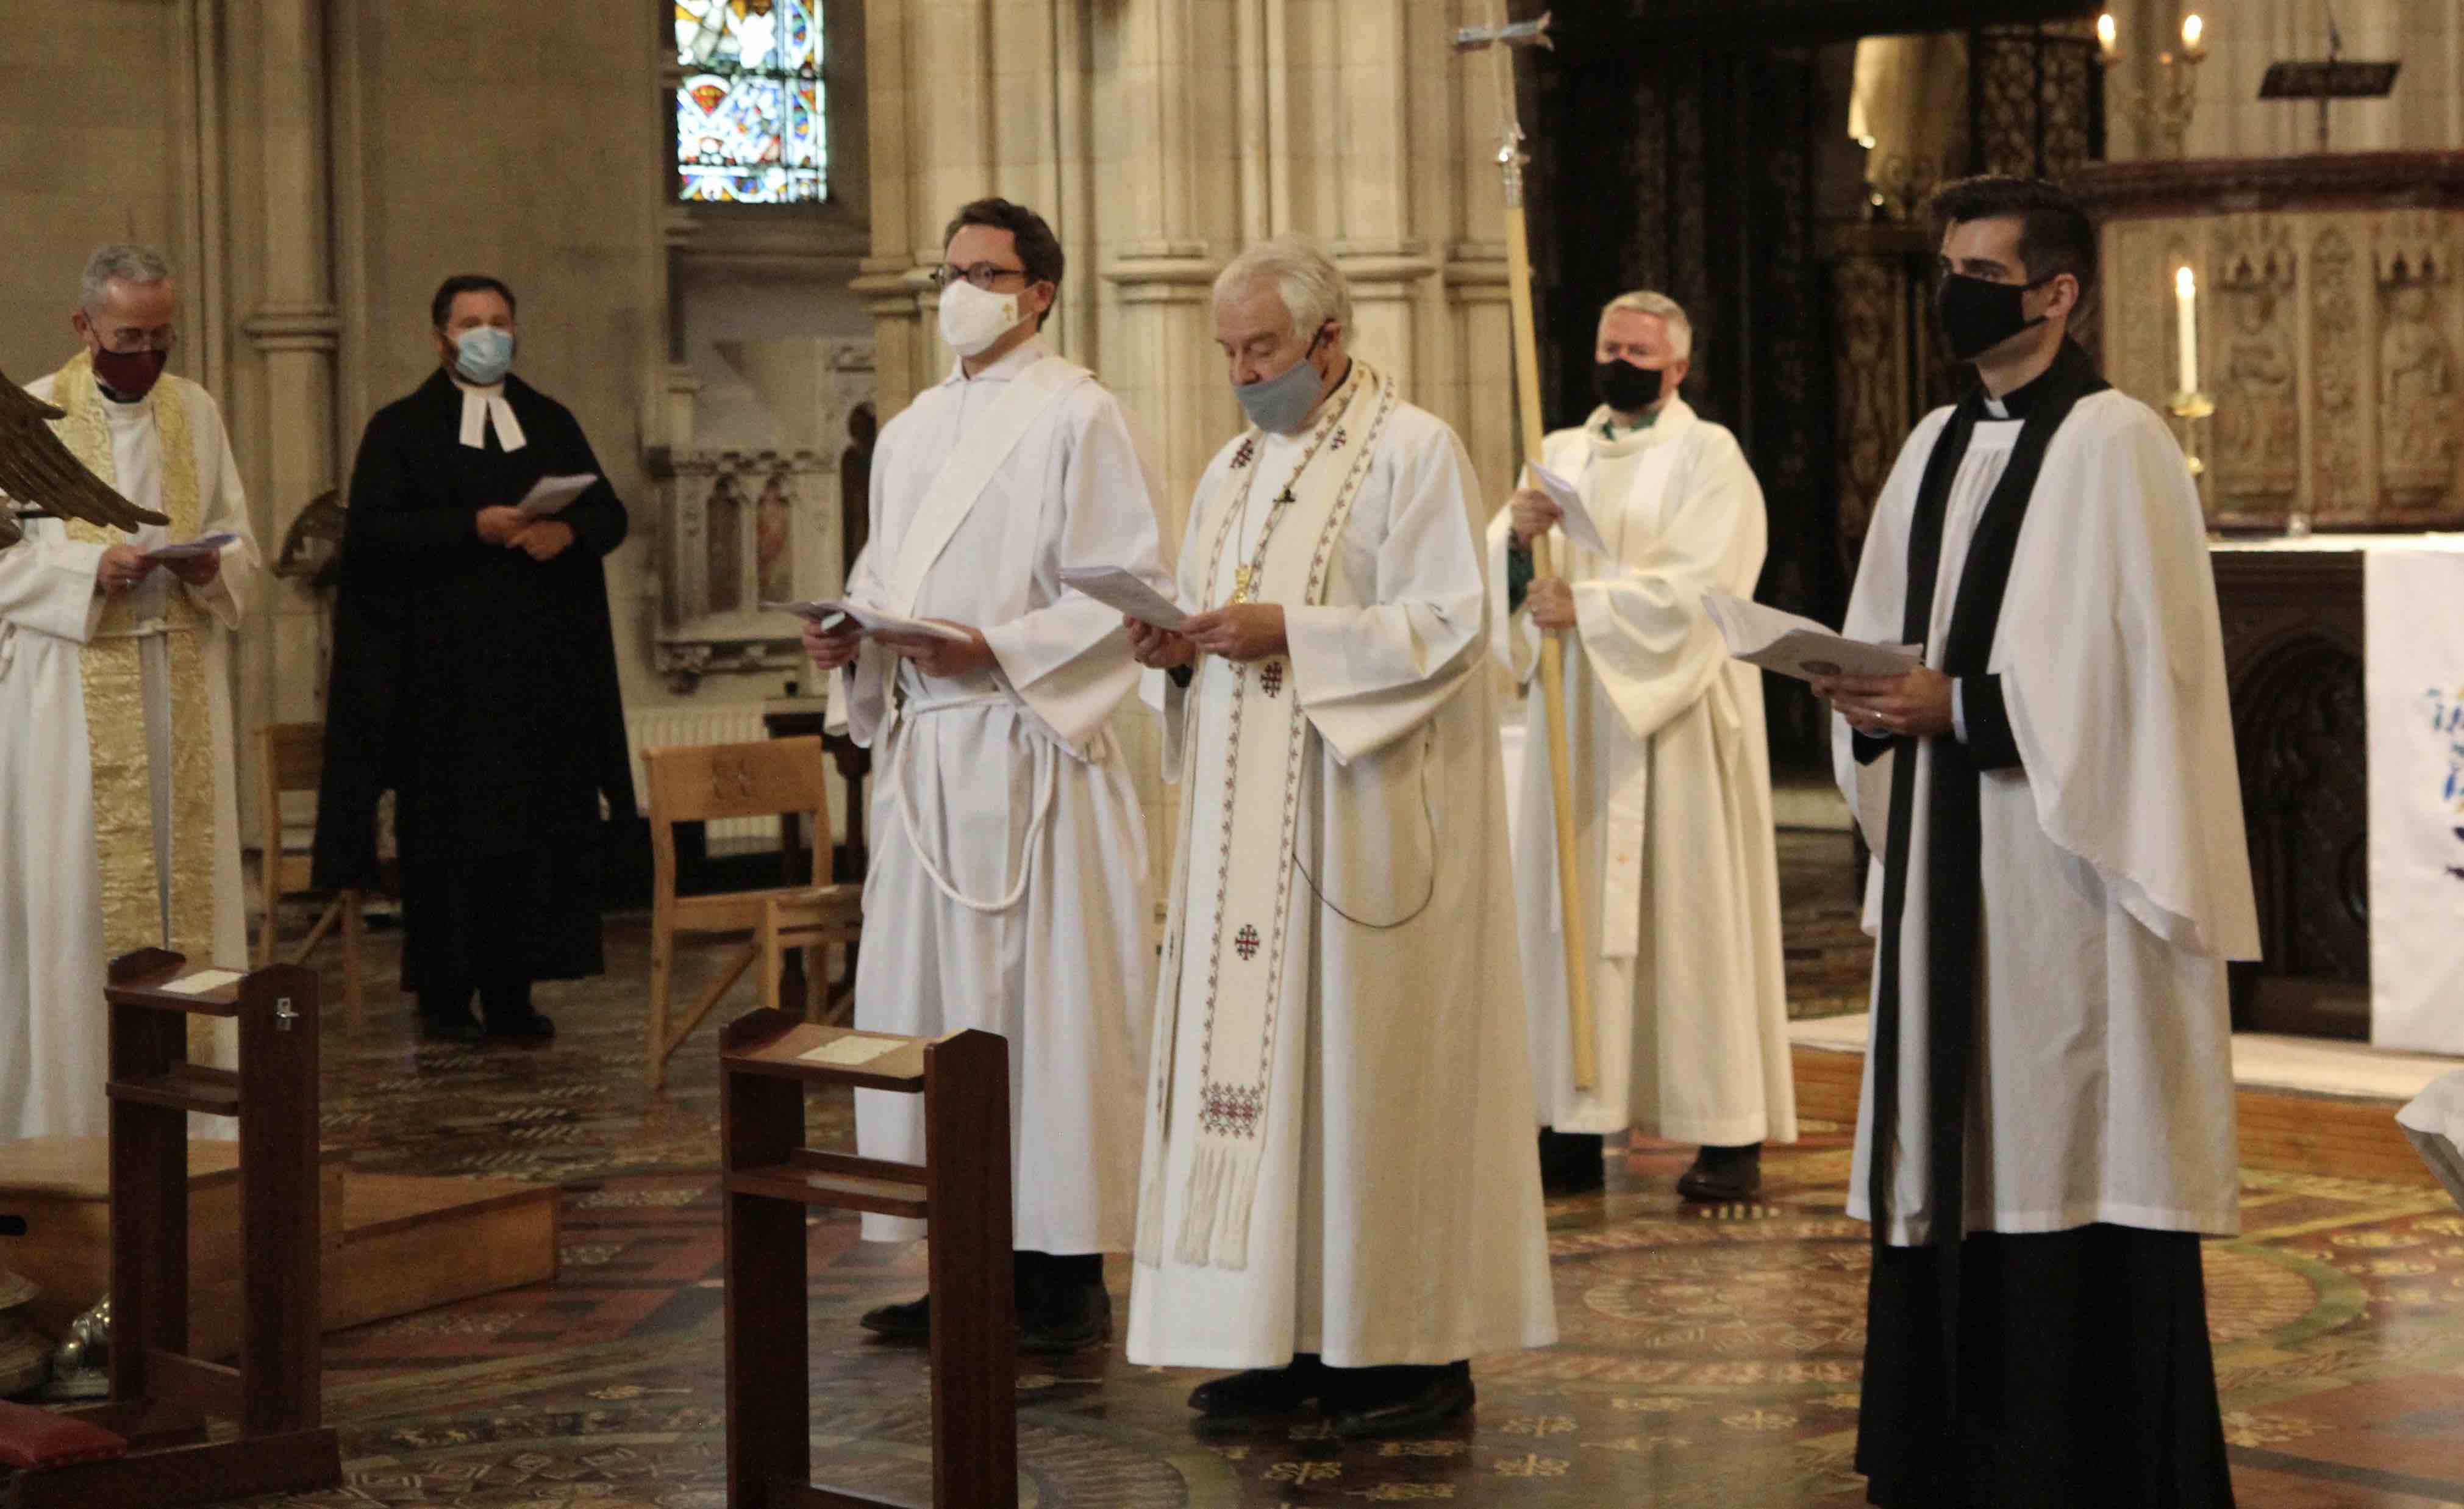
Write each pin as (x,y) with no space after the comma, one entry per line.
(162,1396)
(963,1192)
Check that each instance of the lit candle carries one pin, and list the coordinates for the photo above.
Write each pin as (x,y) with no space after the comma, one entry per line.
(2186,324)
(2105,38)
(2193,32)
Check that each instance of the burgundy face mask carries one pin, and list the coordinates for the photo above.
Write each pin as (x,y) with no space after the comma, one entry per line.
(131,374)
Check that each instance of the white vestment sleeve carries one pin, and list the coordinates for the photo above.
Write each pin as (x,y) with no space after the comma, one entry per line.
(225,512)
(46,584)
(2113,674)
(859,700)
(1643,630)
(1877,610)
(1068,661)
(1366,675)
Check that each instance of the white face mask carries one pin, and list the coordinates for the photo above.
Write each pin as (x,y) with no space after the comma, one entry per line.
(973,319)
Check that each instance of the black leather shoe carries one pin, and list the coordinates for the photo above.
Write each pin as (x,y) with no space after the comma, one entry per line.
(1572,1163)
(911,1322)
(1262,1391)
(532,1028)
(1723,1175)
(1400,1401)
(1066,1319)
(463,1029)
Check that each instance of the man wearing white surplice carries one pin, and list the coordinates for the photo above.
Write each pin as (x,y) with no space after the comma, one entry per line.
(1680,884)
(1338,1194)
(118,804)
(2060,878)
(1008,882)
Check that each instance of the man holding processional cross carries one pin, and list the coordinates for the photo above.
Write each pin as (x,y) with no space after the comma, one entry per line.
(1683,895)
(1338,1194)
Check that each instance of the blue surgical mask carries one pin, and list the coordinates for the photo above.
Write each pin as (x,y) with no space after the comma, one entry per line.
(483,354)
(1281,404)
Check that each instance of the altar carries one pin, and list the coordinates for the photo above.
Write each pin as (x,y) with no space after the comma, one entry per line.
(2299,321)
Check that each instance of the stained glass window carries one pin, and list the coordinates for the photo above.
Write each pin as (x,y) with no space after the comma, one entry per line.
(750,128)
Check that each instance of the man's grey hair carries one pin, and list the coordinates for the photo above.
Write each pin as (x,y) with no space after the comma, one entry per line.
(1311,287)
(1644,301)
(124,260)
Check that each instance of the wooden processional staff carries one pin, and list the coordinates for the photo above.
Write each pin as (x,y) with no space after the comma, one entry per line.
(1497,39)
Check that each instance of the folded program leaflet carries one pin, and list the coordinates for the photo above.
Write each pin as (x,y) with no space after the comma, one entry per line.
(1799,647)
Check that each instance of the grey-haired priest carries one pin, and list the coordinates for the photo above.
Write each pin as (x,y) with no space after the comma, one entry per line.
(1339,1197)
(119,801)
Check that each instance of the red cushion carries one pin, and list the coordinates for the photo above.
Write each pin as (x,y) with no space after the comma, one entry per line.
(42,1438)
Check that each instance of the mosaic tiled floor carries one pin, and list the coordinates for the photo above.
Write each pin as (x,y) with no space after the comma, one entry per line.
(1705,1362)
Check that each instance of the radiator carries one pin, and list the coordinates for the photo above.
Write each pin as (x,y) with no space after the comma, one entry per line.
(706,723)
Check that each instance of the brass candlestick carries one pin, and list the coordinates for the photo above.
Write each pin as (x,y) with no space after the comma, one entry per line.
(2188,410)
(2167,110)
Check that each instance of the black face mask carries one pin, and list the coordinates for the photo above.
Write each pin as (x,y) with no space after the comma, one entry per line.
(1626,388)
(1978,315)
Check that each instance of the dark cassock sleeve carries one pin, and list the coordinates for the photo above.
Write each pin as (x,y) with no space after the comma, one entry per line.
(381,534)
(1990,741)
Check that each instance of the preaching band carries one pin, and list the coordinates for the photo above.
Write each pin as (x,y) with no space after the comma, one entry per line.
(1308,1116)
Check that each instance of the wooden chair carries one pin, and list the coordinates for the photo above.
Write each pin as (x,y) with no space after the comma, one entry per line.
(291,756)
(826,917)
(713,783)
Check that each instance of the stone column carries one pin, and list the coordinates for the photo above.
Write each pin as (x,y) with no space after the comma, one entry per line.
(280,289)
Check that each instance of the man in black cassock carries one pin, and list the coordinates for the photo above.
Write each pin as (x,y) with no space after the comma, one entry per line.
(2047,1125)
(475,674)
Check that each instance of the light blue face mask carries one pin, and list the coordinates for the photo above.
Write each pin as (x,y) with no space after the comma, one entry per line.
(484,354)
(1281,404)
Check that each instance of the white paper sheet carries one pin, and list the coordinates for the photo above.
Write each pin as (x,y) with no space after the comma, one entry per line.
(847,1053)
(871,620)
(1799,647)
(191,549)
(203,981)
(550,494)
(1577,524)
(1117,586)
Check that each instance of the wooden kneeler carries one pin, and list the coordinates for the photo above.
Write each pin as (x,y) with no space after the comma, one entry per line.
(161,1396)
(963,1191)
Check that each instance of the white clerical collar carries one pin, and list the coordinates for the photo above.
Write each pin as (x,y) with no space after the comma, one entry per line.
(1026,354)
(483,406)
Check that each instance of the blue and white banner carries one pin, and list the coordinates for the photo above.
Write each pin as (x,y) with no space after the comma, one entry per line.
(2414,685)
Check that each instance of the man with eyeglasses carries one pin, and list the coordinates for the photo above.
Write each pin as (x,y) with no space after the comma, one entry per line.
(118,812)
(1009,879)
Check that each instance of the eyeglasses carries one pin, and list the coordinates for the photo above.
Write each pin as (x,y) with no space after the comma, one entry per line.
(983,275)
(133,342)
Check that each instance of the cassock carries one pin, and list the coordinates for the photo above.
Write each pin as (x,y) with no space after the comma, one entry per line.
(2055,894)
(479,685)
(1008,888)
(1338,1140)
(119,801)
(1672,806)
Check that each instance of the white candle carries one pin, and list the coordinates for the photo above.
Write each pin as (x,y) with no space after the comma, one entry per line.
(2186,323)
(2105,38)
(2193,30)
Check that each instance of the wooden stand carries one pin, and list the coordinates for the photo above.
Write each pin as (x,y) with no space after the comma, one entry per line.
(963,1190)
(161,1395)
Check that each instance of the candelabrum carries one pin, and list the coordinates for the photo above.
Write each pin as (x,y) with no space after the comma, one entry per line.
(2167,110)
(2188,409)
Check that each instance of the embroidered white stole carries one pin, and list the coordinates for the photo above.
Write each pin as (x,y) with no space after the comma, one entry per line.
(1228,951)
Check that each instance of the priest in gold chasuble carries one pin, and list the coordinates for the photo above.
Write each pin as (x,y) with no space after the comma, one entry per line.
(118,808)
(1338,1193)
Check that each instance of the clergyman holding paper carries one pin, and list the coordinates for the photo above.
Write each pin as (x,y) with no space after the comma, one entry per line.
(474,673)
(1009,874)
(118,805)
(1681,888)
